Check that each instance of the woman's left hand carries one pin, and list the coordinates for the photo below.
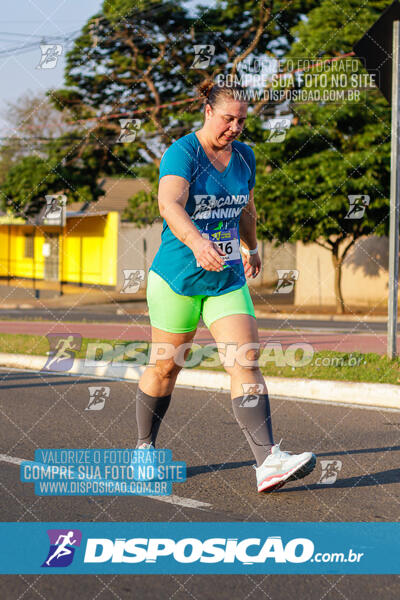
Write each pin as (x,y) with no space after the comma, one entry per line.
(252,265)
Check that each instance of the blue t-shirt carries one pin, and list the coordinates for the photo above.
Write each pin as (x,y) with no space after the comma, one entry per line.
(215,201)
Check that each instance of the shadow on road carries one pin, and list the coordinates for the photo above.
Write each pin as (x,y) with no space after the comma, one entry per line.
(359,451)
(370,479)
(193,471)
(61,380)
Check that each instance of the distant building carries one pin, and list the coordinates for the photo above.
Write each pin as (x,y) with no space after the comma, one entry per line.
(87,250)
(95,248)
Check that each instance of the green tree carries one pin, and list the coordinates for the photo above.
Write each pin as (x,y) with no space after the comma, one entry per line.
(144,61)
(31,123)
(333,151)
(29,180)
(44,154)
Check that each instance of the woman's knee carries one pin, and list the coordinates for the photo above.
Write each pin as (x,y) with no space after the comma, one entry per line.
(244,357)
(166,369)
(250,370)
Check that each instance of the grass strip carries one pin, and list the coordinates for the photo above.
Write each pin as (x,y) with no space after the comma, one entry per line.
(340,366)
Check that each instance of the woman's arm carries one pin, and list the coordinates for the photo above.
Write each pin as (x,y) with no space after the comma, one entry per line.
(248,237)
(173,193)
(247,224)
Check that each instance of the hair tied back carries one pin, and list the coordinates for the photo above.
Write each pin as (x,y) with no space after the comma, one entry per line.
(205,87)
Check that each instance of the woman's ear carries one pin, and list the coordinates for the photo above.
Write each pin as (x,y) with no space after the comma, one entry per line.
(209,111)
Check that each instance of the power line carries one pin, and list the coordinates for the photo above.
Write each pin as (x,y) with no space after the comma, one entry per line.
(141,14)
(30,35)
(16,50)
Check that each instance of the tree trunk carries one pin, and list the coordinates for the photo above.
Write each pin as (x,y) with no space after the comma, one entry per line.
(337,265)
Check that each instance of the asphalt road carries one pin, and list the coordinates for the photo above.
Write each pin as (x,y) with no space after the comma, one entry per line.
(49,412)
(138,314)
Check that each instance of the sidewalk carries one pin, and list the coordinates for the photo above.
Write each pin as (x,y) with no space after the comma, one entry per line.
(21,294)
(135,331)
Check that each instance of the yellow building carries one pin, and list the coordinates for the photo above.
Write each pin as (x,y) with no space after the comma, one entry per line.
(96,247)
(87,251)
(83,252)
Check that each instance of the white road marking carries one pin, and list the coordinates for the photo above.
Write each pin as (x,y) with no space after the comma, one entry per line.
(176,500)
(187,502)
(11,459)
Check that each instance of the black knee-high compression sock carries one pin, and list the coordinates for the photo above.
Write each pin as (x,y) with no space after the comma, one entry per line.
(150,411)
(253,414)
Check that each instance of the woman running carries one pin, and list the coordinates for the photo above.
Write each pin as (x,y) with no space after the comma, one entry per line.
(206,198)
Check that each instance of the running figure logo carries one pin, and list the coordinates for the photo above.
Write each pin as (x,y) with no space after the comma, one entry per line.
(277,130)
(133,279)
(286,280)
(217,230)
(251,394)
(53,212)
(62,351)
(358,204)
(62,547)
(98,395)
(203,55)
(129,129)
(330,471)
(50,54)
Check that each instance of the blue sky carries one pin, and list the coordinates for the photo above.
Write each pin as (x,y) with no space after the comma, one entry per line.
(26,22)
(33,22)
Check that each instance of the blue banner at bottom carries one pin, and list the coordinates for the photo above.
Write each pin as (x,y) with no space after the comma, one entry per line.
(200,548)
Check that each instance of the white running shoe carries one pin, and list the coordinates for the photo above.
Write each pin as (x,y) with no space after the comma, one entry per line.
(280,467)
(153,462)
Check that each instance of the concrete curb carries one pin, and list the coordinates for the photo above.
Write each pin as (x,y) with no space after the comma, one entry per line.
(380,395)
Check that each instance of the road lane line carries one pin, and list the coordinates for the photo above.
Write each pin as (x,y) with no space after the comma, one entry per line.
(186,502)
(173,499)
(11,459)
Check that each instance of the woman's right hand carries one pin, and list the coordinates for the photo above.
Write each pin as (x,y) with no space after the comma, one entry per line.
(208,254)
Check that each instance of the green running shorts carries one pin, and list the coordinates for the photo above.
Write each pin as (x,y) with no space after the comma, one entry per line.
(175,313)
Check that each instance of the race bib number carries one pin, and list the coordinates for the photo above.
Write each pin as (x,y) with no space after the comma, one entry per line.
(227,240)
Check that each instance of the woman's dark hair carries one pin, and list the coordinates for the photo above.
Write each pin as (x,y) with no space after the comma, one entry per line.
(213,92)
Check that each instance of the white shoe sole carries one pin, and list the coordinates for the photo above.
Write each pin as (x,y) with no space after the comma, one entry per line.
(298,472)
